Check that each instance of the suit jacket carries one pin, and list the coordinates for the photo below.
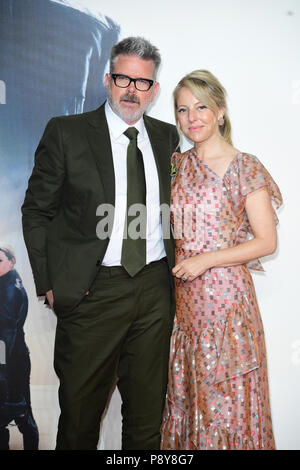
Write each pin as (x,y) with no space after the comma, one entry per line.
(73,174)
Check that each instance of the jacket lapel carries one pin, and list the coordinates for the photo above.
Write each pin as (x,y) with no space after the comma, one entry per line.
(99,140)
(161,151)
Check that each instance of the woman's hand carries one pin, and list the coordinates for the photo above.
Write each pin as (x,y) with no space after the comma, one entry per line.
(193,267)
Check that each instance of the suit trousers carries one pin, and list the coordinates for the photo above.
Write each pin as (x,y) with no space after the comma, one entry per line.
(120,330)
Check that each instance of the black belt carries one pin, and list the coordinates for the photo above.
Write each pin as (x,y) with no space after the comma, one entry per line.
(112,271)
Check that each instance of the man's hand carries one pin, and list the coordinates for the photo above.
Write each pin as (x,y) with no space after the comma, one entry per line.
(50,298)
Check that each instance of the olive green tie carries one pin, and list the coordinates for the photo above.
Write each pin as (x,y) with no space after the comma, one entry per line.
(134,243)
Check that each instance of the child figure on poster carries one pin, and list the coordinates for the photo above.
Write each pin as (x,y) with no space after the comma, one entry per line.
(15,402)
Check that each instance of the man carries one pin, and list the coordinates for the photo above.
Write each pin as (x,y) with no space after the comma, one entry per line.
(112,296)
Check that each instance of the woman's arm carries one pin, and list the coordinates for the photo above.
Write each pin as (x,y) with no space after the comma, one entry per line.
(260,215)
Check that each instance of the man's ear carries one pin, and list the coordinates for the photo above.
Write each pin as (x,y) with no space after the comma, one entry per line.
(106,81)
(156,88)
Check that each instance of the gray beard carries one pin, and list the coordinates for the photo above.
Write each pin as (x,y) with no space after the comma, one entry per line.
(128,117)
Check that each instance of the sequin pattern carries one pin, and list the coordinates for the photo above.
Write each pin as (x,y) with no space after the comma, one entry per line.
(217,394)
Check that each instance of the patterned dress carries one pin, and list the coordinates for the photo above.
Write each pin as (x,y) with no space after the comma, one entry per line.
(217,394)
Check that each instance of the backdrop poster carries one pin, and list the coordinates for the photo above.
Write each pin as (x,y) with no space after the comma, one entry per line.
(53,57)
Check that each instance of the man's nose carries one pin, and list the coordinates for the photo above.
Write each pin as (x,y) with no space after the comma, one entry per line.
(132,88)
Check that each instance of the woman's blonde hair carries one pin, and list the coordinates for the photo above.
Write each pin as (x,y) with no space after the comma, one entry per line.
(207,88)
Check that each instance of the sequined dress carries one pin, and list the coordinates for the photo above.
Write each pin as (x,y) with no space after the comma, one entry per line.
(218,395)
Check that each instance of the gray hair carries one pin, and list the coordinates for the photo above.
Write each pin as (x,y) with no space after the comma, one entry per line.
(136,46)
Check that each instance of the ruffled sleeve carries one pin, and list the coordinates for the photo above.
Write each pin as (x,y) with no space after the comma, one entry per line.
(253,175)
(246,176)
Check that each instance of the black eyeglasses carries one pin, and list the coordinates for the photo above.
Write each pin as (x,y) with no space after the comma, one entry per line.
(123,81)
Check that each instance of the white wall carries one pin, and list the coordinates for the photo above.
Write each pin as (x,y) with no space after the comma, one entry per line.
(252,46)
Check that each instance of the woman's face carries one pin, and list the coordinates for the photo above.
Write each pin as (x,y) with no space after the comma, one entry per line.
(5,264)
(197,122)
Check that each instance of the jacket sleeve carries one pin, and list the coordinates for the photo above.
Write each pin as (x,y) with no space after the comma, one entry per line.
(175,140)
(42,201)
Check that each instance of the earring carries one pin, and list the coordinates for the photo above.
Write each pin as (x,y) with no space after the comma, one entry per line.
(221,121)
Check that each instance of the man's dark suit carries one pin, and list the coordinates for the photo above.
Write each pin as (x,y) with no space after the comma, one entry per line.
(73,175)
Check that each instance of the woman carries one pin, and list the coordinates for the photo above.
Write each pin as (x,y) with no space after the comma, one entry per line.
(218,386)
(14,362)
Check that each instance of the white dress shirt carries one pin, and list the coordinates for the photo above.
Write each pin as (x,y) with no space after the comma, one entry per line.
(155,249)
